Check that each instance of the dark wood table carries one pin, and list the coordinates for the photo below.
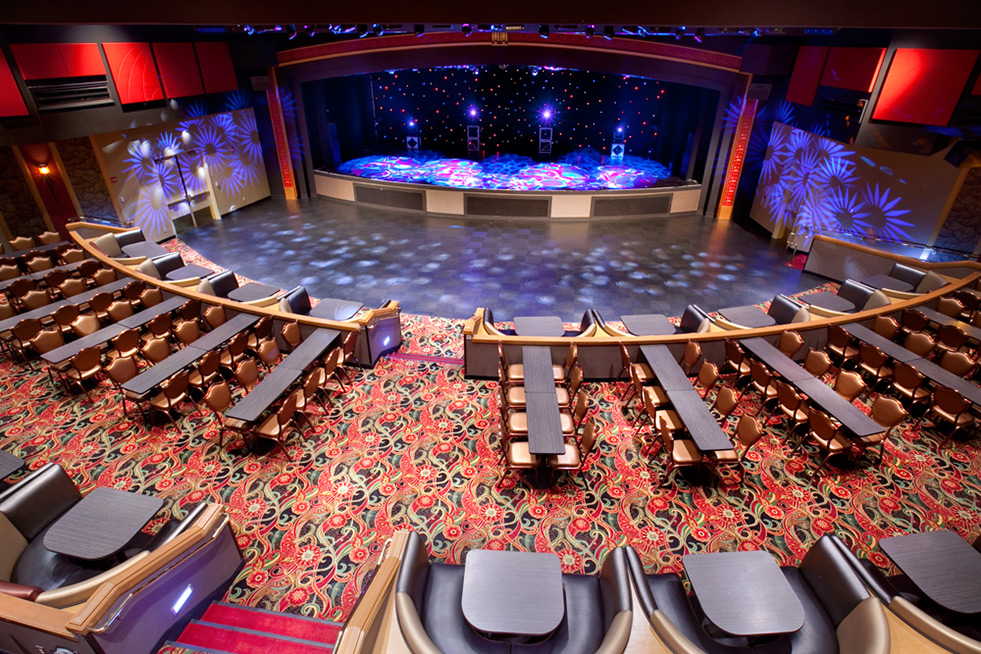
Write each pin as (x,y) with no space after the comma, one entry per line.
(748,316)
(699,420)
(331,309)
(9,464)
(513,594)
(263,394)
(147,249)
(775,359)
(160,372)
(828,400)
(143,317)
(538,326)
(101,523)
(96,338)
(39,313)
(889,348)
(311,349)
(942,565)
(830,301)
(20,254)
(111,287)
(935,316)
(188,272)
(938,375)
(224,332)
(744,593)
(37,276)
(648,324)
(251,292)
(537,363)
(669,374)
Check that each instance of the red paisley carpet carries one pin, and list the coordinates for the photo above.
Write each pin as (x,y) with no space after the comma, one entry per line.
(413,445)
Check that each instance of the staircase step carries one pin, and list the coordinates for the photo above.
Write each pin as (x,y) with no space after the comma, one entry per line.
(237,640)
(273,622)
(171,647)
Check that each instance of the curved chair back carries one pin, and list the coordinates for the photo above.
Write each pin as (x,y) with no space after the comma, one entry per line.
(968,299)
(571,357)
(821,425)
(9,272)
(47,340)
(790,343)
(920,343)
(37,264)
(817,362)
(849,384)
(21,287)
(708,375)
(291,334)
(191,310)
(748,432)
(132,290)
(156,350)
(950,400)
(86,324)
(246,373)
(761,376)
(950,336)
(950,307)
(37,500)
(888,412)
(175,387)
(87,360)
(187,332)
(121,370)
(958,363)
(26,329)
(55,278)
(787,396)
(263,328)
(269,353)
(127,343)
(36,299)
(725,402)
(575,379)
(47,238)
(218,398)
(104,276)
(100,302)
(208,366)
(885,326)
(693,352)
(913,320)
(119,310)
(72,286)
(872,356)
(72,255)
(65,315)
(21,243)
(215,316)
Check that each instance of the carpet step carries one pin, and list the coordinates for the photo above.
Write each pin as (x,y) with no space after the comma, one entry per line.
(222,639)
(273,622)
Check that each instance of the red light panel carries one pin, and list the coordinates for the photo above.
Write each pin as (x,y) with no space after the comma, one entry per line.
(216,66)
(923,86)
(807,74)
(853,68)
(178,69)
(133,72)
(11,101)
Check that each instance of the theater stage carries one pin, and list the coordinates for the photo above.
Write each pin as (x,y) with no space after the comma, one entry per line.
(446,267)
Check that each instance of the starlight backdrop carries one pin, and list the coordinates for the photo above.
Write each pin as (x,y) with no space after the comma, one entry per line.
(373,113)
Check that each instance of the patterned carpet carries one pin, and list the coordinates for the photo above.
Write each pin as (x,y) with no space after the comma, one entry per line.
(413,444)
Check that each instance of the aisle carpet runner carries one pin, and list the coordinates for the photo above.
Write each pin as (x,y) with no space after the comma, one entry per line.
(413,445)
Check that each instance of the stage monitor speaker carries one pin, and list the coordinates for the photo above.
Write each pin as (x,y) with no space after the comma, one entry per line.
(964,154)
(544,140)
(617,150)
(473,139)
(412,142)
(768,59)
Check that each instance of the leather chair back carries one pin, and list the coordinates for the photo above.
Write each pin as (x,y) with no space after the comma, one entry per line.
(931,281)
(223,283)
(636,569)
(12,545)
(855,292)
(587,320)
(832,579)
(783,309)
(108,244)
(908,274)
(129,237)
(297,300)
(694,319)
(148,268)
(168,263)
(38,499)
(615,585)
(414,572)
(870,575)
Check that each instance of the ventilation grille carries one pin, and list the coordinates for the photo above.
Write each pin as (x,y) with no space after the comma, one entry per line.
(74,93)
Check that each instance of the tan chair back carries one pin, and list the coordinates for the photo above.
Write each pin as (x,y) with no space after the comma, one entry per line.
(913,320)
(951,336)
(151,297)
(121,370)
(748,431)
(888,411)
(920,343)
(100,302)
(849,384)
(66,314)
(885,326)
(906,376)
(790,343)
(104,276)
(269,353)
(575,379)
(175,387)
(817,362)
(725,401)
(127,343)
(86,324)
(330,365)
(209,364)
(132,290)
(950,307)
(950,400)
(87,360)
(72,255)
(291,334)
(47,340)
(571,357)
(693,352)
(958,363)
(187,332)
(21,243)
(9,272)
(36,300)
(218,398)
(708,375)
(73,286)
(246,373)
(787,396)
(215,316)
(47,238)
(37,264)
(119,310)
(588,438)
(582,406)
(156,350)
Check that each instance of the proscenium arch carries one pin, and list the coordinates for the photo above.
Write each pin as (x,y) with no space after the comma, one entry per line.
(665,62)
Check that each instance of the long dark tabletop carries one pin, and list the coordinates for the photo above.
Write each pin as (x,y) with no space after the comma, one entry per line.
(37,248)
(101,523)
(68,267)
(669,374)
(111,287)
(143,317)
(775,359)
(225,331)
(828,400)
(935,316)
(262,396)
(830,301)
(40,312)
(748,316)
(935,373)
(96,338)
(311,349)
(331,309)
(699,420)
(159,372)
(9,463)
(541,402)
(537,362)
(889,348)
(538,326)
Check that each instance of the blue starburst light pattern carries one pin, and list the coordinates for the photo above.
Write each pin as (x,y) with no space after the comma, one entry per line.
(139,162)
(247,137)
(882,215)
(152,213)
(801,178)
(776,199)
(238,99)
(835,174)
(840,211)
(214,149)
(730,118)
(169,144)
(783,112)
(828,149)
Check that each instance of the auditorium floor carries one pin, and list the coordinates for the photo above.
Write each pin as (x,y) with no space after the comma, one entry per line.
(447,267)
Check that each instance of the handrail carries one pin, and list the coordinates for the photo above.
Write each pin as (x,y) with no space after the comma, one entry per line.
(105,596)
(827,233)
(364,320)
(900,258)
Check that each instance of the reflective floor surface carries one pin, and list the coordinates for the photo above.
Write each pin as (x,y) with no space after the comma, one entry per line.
(447,267)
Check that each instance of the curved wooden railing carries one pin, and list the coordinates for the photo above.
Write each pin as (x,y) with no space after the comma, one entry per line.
(474,329)
(364,320)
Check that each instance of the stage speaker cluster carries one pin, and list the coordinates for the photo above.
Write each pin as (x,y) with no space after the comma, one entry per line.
(544,140)
(473,139)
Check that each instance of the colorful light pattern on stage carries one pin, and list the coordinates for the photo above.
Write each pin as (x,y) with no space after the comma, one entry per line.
(584,170)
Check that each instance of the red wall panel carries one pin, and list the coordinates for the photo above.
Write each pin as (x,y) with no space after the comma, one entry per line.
(178,69)
(977,87)
(133,72)
(923,86)
(51,60)
(82,59)
(11,102)
(807,74)
(51,187)
(216,66)
(852,68)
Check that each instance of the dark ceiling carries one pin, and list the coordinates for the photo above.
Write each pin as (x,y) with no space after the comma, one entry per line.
(959,14)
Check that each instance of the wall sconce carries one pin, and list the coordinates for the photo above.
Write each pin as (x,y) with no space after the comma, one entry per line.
(44,169)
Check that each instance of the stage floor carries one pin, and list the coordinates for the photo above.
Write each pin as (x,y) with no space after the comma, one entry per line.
(449,266)
(583,170)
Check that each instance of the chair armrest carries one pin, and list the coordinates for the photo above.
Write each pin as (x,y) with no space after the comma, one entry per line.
(864,630)
(671,635)
(20,591)
(933,629)
(615,640)
(824,313)
(411,625)
(76,593)
(263,302)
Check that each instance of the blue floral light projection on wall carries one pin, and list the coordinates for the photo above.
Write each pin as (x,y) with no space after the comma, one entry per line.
(227,143)
(811,184)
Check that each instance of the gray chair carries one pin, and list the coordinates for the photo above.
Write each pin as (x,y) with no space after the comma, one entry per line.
(786,310)
(428,597)
(296,301)
(907,275)
(219,284)
(129,237)
(694,320)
